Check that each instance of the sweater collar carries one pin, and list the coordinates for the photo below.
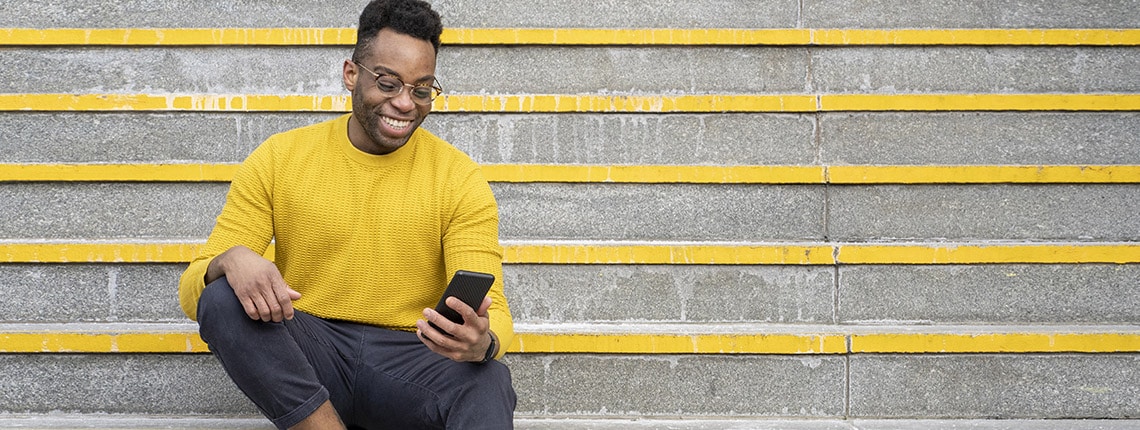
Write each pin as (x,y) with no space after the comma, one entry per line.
(340,135)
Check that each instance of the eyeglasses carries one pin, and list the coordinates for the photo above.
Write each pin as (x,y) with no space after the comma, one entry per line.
(392,86)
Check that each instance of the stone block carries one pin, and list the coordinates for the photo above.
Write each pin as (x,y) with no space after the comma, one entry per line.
(84,211)
(969,14)
(697,385)
(590,293)
(990,294)
(1065,212)
(980,138)
(677,212)
(1047,386)
(982,69)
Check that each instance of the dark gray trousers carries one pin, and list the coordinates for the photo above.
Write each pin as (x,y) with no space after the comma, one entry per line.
(376,378)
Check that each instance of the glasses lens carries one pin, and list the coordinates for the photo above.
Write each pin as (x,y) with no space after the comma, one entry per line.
(389,85)
(423,93)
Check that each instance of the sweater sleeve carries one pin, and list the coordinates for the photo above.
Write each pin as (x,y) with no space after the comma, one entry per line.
(471,242)
(246,219)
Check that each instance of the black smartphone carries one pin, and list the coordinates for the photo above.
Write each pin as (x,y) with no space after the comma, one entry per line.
(468,287)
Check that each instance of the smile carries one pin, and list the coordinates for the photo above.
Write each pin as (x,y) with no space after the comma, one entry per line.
(395,123)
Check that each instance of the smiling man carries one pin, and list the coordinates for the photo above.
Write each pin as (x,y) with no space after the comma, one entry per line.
(370,216)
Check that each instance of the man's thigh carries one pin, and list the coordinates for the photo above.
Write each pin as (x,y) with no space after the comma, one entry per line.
(403,384)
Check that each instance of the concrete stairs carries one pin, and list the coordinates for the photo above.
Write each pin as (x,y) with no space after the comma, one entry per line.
(725,215)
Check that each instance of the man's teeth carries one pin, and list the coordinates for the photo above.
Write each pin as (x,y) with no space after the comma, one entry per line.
(395,123)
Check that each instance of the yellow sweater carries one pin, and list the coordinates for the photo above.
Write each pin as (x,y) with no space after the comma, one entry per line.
(364,238)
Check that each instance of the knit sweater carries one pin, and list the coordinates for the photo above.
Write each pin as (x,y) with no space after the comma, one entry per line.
(365,238)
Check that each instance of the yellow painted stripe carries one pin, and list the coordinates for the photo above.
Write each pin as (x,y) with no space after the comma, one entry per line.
(654,174)
(635,343)
(1014,37)
(679,344)
(667,254)
(556,103)
(979,102)
(52,252)
(118,172)
(576,36)
(173,102)
(927,343)
(988,254)
(602,36)
(1040,174)
(650,174)
(174,342)
(712,254)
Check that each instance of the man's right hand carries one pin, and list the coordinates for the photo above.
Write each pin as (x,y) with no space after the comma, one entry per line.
(256,282)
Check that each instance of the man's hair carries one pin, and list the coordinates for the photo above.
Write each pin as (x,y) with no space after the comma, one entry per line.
(411,17)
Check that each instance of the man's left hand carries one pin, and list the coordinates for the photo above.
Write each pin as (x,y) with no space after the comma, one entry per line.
(461,342)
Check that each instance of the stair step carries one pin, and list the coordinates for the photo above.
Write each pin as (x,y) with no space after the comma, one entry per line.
(634,338)
(138,422)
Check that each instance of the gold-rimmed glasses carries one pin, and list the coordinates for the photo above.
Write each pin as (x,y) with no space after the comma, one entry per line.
(392,86)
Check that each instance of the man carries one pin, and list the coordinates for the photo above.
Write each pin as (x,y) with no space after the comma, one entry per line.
(370,216)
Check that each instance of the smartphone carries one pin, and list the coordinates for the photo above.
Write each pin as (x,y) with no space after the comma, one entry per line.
(468,287)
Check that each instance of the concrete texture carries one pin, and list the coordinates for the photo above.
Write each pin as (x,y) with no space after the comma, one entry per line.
(719,385)
(159,70)
(659,212)
(978,212)
(970,14)
(112,383)
(527,211)
(681,139)
(673,139)
(980,138)
(637,211)
(623,70)
(990,294)
(1046,386)
(141,422)
(613,70)
(140,137)
(461,70)
(90,292)
(109,210)
(455,13)
(583,294)
(958,69)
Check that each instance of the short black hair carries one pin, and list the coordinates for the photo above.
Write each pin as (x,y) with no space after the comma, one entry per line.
(411,17)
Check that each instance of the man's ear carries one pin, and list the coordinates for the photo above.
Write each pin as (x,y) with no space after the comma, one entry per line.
(350,74)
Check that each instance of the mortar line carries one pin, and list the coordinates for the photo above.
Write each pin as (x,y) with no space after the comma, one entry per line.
(800,15)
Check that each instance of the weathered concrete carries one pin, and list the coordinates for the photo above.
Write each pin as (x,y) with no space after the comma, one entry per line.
(460,70)
(575,293)
(71,292)
(113,383)
(528,211)
(455,13)
(538,293)
(959,69)
(558,385)
(681,139)
(672,139)
(139,422)
(659,212)
(951,138)
(109,210)
(990,294)
(995,386)
(140,137)
(970,14)
(975,212)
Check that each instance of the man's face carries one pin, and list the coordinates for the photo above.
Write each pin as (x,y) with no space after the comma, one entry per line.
(380,123)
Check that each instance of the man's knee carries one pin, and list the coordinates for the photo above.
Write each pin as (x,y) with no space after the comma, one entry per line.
(217,309)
